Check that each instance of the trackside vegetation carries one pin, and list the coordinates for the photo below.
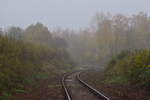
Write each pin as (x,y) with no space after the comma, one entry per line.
(130,67)
(24,63)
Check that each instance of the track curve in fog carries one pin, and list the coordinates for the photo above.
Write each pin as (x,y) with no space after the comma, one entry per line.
(76,89)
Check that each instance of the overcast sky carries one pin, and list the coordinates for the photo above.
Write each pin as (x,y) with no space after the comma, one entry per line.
(73,14)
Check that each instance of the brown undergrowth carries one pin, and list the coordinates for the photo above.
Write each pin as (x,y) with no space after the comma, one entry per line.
(49,89)
(115,91)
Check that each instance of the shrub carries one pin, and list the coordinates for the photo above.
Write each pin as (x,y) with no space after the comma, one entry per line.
(131,66)
(23,63)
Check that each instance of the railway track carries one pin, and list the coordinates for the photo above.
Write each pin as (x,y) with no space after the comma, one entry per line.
(76,89)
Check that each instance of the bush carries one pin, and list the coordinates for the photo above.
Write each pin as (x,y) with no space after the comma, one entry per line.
(23,63)
(131,66)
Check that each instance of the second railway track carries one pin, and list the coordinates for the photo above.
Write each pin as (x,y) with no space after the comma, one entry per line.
(76,89)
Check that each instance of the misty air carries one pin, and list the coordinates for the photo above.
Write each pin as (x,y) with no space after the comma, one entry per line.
(74,50)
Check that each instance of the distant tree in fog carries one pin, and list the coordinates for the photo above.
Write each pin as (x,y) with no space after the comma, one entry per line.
(38,33)
(15,32)
(1,32)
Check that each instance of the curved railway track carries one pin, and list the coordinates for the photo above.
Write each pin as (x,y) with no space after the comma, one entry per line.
(76,89)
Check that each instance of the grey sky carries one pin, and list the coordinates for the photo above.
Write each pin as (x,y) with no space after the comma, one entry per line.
(72,14)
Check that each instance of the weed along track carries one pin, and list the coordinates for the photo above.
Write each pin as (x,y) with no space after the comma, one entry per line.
(76,89)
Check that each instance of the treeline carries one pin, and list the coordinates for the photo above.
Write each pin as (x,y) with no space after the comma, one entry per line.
(117,33)
(28,56)
(107,36)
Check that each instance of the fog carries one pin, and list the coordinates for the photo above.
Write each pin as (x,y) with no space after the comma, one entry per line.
(72,14)
(50,45)
(92,31)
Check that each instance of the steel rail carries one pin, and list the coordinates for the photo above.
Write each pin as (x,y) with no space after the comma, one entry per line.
(96,92)
(93,90)
(68,96)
